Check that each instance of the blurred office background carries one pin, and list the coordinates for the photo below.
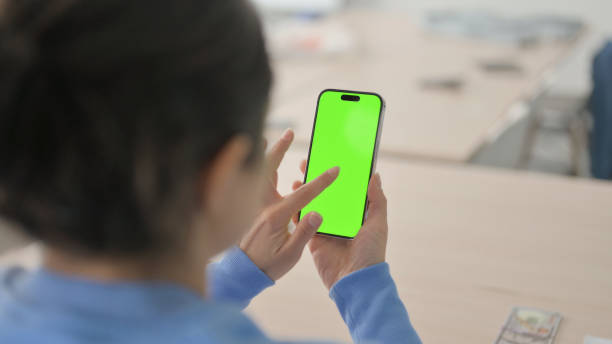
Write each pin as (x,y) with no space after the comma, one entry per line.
(539,124)
(492,119)
(495,83)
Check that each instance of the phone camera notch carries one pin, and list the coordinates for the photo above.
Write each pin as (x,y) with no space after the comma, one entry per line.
(350,98)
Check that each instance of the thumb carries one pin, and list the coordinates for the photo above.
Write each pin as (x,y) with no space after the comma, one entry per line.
(304,231)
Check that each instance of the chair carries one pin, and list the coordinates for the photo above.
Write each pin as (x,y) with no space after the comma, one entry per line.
(600,106)
(563,114)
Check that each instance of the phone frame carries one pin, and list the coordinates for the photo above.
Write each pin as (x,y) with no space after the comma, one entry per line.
(381,118)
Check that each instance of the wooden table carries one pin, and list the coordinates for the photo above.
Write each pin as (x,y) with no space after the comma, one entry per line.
(393,56)
(466,245)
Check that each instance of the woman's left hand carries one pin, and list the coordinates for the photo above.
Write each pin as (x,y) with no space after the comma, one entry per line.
(268,243)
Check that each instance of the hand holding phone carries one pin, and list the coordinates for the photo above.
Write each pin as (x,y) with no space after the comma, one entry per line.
(346,133)
(335,257)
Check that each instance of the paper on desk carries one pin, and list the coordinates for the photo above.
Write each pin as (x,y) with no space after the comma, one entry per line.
(299,37)
(595,340)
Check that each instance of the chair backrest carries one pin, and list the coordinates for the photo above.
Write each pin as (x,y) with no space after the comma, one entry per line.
(600,106)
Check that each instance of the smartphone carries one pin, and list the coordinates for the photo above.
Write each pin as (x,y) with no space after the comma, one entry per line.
(346,132)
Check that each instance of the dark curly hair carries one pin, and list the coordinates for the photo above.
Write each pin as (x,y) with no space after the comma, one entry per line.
(109,110)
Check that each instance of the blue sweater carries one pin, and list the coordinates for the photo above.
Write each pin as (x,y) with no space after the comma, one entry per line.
(45,307)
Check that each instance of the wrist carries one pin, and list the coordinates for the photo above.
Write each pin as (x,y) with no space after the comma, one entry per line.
(254,258)
(361,279)
(353,268)
(236,278)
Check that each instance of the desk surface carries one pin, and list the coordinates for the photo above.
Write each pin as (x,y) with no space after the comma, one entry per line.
(392,57)
(466,245)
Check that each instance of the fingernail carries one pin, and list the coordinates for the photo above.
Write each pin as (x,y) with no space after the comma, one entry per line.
(378,180)
(334,171)
(315,219)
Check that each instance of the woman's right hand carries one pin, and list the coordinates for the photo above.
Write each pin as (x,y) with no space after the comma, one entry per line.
(336,258)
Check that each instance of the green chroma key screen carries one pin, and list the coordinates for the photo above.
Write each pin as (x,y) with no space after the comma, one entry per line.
(344,135)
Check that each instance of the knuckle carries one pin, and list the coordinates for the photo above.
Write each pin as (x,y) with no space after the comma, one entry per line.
(297,236)
(328,178)
(320,183)
(307,190)
(297,194)
(303,231)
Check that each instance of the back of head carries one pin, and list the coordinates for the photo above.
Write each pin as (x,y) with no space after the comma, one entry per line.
(110,108)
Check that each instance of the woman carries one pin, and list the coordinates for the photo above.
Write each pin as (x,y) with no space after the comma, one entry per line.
(130,146)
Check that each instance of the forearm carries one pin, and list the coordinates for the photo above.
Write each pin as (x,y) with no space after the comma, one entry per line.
(370,306)
(235,279)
